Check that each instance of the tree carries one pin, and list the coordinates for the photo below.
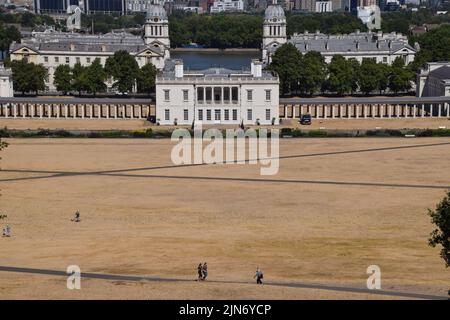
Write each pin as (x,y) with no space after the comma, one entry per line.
(79,78)
(341,76)
(95,77)
(313,72)
(28,77)
(441,235)
(124,70)
(63,78)
(146,79)
(286,63)
(371,76)
(400,77)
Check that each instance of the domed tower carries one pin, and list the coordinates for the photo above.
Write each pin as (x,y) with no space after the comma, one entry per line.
(274,32)
(157,27)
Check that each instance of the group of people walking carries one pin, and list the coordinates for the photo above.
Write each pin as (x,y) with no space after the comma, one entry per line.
(6,231)
(202,271)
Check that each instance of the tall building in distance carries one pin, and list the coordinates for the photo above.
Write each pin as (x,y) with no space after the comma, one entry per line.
(88,6)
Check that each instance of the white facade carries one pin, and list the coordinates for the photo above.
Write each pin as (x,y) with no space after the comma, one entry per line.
(51,48)
(216,96)
(434,80)
(6,82)
(370,16)
(274,30)
(227,5)
(324,6)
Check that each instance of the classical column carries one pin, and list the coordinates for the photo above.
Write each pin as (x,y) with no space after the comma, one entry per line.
(40,110)
(448,110)
(285,110)
(107,111)
(332,111)
(423,110)
(58,106)
(115,107)
(439,110)
(431,110)
(414,110)
(23,111)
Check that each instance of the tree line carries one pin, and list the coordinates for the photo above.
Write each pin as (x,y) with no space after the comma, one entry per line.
(309,74)
(122,68)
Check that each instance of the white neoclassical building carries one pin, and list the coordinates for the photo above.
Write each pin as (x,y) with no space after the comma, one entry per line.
(434,80)
(216,96)
(6,83)
(382,47)
(51,48)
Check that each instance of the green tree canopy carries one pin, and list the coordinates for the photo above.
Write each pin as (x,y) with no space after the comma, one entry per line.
(286,63)
(146,79)
(313,72)
(371,76)
(79,78)
(28,77)
(342,76)
(441,235)
(95,77)
(124,70)
(63,78)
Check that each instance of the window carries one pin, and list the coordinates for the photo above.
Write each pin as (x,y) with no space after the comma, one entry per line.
(88,60)
(384,59)
(217,115)
(268,95)
(167,114)
(208,94)
(249,95)
(234,94)
(234,114)
(185,95)
(226,95)
(249,114)
(267,114)
(186,114)
(77,59)
(200,114)
(200,96)
(226,114)
(45,59)
(208,115)
(166,95)
(67,60)
(57,59)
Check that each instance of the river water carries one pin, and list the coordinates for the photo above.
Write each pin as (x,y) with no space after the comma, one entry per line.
(198,60)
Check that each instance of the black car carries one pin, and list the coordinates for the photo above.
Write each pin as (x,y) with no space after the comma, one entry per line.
(305,119)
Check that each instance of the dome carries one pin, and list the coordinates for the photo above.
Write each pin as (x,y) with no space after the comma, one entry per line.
(156,11)
(274,11)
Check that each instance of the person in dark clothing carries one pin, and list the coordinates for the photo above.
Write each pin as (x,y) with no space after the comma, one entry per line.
(204,271)
(259,276)
(200,271)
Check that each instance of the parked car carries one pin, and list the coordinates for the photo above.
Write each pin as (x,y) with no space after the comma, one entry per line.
(305,119)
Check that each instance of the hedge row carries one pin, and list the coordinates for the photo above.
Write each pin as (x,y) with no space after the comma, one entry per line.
(284,133)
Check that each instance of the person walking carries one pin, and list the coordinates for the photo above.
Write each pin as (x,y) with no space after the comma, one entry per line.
(258,275)
(204,271)
(200,271)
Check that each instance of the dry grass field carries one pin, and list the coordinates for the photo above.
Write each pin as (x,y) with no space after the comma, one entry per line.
(336,207)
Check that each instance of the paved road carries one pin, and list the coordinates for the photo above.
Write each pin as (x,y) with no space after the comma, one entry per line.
(113,277)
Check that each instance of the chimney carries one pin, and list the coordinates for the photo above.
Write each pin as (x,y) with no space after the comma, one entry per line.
(256,68)
(179,72)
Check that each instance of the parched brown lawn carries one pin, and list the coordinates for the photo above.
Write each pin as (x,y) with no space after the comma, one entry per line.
(134,223)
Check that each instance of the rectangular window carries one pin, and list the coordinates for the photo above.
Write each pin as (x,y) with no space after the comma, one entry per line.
(217,115)
(208,115)
(234,114)
(226,95)
(167,114)
(166,95)
(249,114)
(234,94)
(185,95)
(186,114)
(67,60)
(268,95)
(57,59)
(88,60)
(384,59)
(267,114)
(217,95)
(77,59)
(45,59)
(226,114)
(249,95)
(200,96)
(200,114)
(208,93)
